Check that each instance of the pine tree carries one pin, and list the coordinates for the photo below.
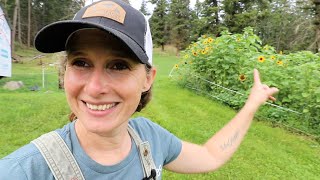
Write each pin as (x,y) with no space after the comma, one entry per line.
(144,9)
(158,23)
(198,22)
(198,9)
(211,17)
(239,14)
(180,23)
(316,23)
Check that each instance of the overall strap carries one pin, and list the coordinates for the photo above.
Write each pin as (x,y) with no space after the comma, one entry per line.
(149,167)
(58,157)
(64,167)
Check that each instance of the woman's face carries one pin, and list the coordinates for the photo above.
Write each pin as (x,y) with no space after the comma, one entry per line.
(103,84)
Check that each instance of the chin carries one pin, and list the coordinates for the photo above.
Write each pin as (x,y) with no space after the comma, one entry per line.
(100,125)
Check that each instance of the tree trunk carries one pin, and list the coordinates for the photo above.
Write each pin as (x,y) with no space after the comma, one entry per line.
(215,4)
(29,23)
(5,7)
(317,39)
(15,17)
(317,24)
(19,24)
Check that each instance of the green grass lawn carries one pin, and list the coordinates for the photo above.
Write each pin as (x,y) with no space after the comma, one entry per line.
(266,153)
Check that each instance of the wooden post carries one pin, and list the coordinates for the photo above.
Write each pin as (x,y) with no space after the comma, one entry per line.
(43,79)
(29,23)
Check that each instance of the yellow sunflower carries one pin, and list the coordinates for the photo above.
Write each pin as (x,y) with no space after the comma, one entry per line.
(204,52)
(273,57)
(186,56)
(195,53)
(210,40)
(176,66)
(261,59)
(280,63)
(242,78)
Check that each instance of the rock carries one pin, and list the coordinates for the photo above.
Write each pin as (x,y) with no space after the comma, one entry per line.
(34,88)
(16,58)
(13,85)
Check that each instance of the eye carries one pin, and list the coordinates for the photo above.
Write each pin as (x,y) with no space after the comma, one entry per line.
(80,63)
(119,66)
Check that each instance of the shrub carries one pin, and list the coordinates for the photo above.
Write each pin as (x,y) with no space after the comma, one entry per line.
(222,67)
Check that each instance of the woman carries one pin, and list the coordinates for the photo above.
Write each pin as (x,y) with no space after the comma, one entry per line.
(108,76)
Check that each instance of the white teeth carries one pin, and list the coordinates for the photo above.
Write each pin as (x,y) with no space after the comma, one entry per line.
(100,107)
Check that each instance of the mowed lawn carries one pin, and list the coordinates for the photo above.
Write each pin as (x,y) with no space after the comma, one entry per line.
(266,153)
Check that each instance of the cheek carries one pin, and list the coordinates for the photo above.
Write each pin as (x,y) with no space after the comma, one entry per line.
(72,83)
(133,87)
(140,81)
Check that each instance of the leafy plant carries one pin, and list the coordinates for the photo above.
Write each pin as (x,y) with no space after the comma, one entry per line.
(223,67)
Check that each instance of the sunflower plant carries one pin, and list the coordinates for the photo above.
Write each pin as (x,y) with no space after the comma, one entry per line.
(227,61)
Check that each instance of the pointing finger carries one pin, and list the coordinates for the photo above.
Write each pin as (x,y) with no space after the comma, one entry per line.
(256,77)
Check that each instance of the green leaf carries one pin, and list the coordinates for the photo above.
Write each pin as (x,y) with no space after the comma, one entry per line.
(305,110)
(286,99)
(225,66)
(305,95)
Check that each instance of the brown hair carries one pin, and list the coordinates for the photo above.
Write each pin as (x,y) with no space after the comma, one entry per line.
(145,96)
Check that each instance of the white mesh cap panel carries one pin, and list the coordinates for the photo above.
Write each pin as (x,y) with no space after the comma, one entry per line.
(148,43)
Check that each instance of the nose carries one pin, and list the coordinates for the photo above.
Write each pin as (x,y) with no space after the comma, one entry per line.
(98,83)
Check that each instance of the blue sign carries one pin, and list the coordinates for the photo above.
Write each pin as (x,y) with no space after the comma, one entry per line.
(5,46)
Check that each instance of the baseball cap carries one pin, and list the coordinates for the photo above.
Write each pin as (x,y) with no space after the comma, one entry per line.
(113,16)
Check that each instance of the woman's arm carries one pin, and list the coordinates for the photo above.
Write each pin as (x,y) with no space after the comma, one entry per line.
(219,148)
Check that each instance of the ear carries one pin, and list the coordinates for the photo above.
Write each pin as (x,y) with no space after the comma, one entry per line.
(149,80)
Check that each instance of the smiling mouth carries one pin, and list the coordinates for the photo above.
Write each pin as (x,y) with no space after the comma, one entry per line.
(102,107)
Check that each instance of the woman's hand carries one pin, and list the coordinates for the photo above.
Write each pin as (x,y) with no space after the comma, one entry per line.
(260,93)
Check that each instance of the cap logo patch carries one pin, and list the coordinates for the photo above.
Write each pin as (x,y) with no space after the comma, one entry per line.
(107,9)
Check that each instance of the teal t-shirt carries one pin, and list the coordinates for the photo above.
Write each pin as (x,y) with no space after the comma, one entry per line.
(28,163)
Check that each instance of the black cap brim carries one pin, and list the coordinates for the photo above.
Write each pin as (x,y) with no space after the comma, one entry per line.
(53,37)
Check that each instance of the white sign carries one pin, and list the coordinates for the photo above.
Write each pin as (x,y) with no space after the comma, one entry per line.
(5,46)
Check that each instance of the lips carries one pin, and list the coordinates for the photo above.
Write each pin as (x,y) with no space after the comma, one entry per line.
(100,107)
